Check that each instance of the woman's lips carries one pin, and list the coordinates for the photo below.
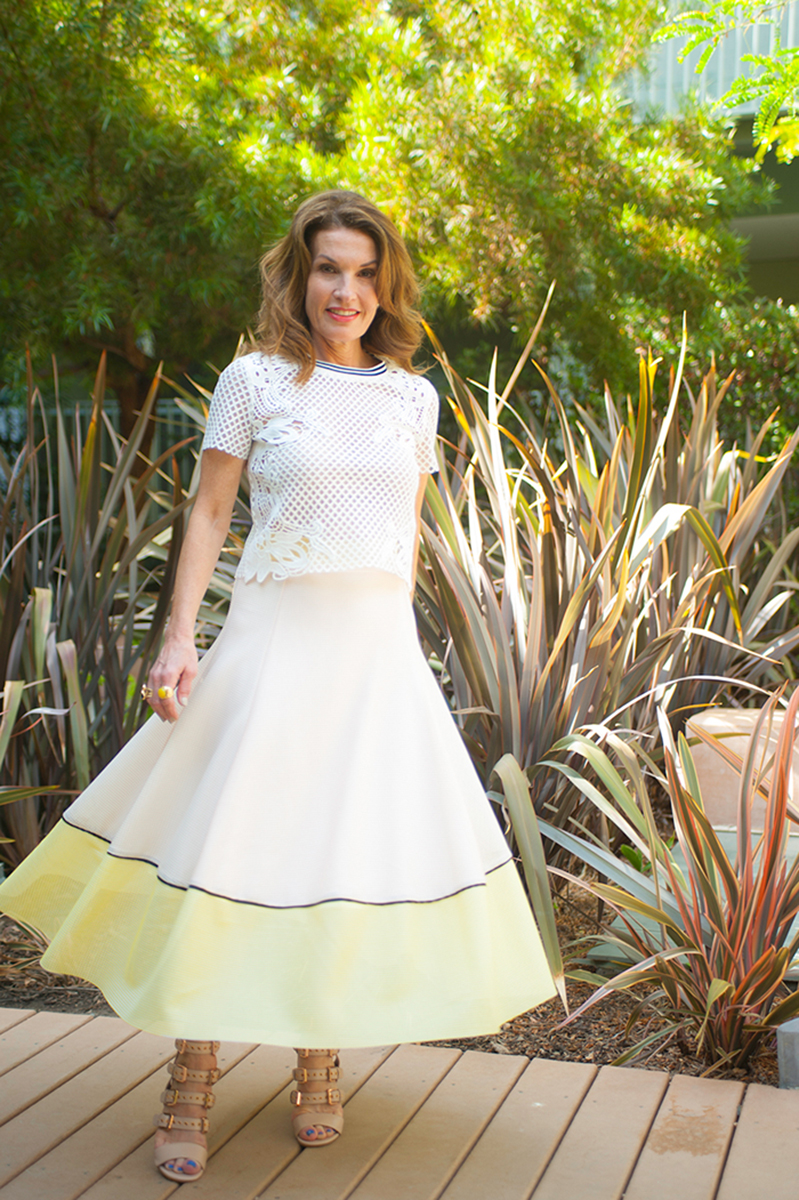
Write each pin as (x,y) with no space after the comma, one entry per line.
(343,314)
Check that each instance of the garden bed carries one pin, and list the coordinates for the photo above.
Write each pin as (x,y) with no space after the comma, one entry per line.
(598,1036)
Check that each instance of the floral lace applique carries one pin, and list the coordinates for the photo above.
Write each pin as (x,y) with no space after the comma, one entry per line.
(394,427)
(281,549)
(279,430)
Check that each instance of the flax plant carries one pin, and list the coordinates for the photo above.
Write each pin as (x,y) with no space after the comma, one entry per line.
(711,941)
(89,549)
(576,590)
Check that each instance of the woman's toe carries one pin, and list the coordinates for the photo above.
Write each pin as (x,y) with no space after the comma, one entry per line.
(186,1166)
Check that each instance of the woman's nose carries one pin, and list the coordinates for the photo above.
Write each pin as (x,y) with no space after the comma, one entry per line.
(345,285)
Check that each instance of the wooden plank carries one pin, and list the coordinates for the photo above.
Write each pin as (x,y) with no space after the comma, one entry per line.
(241,1092)
(239,1166)
(601,1146)
(261,1152)
(23,1041)
(428,1152)
(13,1016)
(93,1151)
(376,1114)
(515,1149)
(688,1143)
(43,1125)
(764,1156)
(53,1066)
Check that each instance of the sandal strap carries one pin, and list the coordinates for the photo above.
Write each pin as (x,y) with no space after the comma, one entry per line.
(188,1047)
(310,1074)
(170,1121)
(182,1074)
(172,1096)
(317,1054)
(301,1120)
(330,1097)
(170,1150)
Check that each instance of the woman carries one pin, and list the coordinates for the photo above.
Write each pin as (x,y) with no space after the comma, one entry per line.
(299,852)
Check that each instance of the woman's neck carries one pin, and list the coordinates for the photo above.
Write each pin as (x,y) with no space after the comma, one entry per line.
(344,354)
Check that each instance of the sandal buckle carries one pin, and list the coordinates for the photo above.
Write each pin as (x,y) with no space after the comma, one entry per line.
(300,1074)
(333,1096)
(179,1072)
(296,1098)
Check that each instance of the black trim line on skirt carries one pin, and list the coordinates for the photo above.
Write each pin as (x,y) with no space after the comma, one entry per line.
(193,887)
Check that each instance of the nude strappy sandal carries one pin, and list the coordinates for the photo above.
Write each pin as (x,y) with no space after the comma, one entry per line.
(330,1114)
(167,1119)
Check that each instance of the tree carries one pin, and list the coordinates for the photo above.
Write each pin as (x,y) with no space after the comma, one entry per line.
(146,158)
(773,79)
(498,135)
(150,149)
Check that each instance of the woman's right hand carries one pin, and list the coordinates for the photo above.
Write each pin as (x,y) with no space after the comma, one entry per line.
(175,668)
(176,665)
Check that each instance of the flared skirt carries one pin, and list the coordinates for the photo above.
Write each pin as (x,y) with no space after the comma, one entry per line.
(306,857)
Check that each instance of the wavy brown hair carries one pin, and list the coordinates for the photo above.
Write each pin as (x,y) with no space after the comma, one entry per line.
(283,327)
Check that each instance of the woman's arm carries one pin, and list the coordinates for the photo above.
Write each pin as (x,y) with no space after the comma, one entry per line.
(419,502)
(176,665)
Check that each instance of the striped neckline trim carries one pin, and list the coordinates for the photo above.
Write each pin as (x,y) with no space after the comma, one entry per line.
(379,369)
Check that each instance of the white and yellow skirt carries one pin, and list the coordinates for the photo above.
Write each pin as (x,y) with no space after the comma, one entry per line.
(306,857)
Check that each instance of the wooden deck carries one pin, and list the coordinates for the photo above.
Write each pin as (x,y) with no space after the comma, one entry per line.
(77,1095)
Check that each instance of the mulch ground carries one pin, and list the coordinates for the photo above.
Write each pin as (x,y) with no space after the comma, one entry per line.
(23,983)
(598,1036)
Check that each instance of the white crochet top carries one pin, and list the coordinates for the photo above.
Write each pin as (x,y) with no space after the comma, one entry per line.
(334,463)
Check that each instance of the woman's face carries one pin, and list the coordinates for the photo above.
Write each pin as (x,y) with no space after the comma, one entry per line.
(340,296)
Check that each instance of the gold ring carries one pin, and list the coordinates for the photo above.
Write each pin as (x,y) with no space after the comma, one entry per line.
(165,693)
(146,692)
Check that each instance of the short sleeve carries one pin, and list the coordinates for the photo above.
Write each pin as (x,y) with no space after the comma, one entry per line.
(427,428)
(229,425)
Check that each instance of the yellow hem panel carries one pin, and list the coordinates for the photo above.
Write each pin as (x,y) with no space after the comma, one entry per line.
(186,964)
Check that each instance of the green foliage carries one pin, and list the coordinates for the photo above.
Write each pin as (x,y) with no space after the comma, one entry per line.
(759,341)
(756,342)
(82,609)
(150,150)
(573,595)
(519,163)
(773,79)
(716,939)
(135,215)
